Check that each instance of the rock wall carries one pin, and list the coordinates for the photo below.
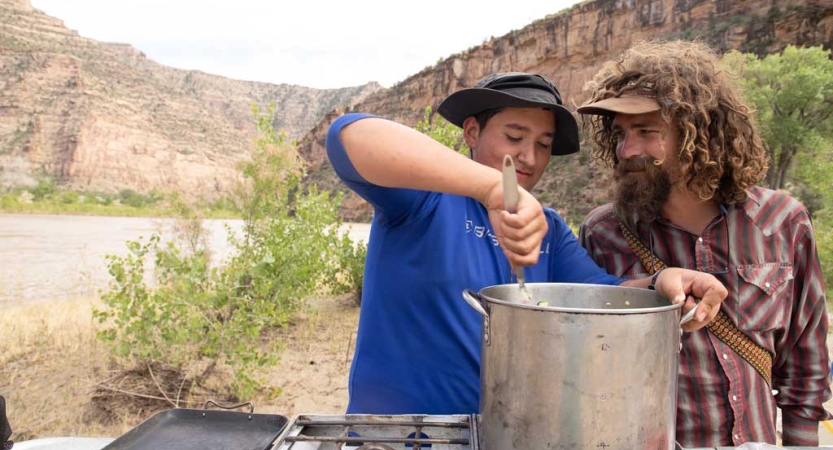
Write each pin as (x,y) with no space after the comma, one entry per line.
(103,117)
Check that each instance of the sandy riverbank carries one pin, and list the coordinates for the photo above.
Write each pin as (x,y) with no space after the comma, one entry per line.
(53,361)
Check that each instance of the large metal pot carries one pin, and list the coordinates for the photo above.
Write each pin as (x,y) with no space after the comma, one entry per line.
(595,369)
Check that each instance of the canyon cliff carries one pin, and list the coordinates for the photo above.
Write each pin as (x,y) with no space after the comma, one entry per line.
(103,117)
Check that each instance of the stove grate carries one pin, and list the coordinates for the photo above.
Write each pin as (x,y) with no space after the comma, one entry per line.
(375,432)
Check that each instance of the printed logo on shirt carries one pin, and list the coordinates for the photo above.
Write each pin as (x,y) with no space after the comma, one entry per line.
(478,231)
(481,232)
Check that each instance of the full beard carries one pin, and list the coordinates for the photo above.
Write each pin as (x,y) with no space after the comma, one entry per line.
(639,196)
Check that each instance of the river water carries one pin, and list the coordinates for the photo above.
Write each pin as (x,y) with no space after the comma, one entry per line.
(55,257)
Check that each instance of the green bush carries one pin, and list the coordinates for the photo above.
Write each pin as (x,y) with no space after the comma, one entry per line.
(348,273)
(69,197)
(9,202)
(44,189)
(102,199)
(223,204)
(132,198)
(289,250)
(442,131)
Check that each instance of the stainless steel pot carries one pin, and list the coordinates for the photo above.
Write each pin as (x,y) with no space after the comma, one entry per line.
(595,369)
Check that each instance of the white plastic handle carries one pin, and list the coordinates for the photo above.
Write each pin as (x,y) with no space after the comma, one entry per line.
(510,185)
(689,316)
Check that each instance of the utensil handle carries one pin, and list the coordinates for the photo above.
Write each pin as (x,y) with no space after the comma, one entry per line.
(510,185)
(511,197)
(689,316)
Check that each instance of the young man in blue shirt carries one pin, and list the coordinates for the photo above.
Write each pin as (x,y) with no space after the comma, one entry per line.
(439,227)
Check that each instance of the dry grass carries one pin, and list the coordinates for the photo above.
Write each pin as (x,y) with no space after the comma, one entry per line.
(51,364)
(46,367)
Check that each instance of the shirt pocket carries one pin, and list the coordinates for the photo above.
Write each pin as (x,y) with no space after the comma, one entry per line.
(761,295)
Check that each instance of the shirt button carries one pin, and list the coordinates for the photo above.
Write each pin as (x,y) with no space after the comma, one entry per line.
(767,284)
(734,398)
(725,356)
(737,437)
(700,239)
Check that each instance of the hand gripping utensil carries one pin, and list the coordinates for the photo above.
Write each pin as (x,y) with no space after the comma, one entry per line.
(511,197)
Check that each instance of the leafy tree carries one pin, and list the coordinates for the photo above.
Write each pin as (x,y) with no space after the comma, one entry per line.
(442,131)
(793,93)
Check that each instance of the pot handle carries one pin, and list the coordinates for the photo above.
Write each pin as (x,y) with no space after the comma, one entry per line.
(239,405)
(475,301)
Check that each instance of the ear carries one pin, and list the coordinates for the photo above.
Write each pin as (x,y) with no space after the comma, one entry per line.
(471,131)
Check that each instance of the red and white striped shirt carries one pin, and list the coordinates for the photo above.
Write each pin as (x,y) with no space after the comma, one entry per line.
(763,250)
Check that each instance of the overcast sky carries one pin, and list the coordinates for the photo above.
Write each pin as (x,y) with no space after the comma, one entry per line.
(322,44)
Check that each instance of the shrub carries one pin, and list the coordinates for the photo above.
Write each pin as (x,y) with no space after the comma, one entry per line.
(69,197)
(442,131)
(44,189)
(290,249)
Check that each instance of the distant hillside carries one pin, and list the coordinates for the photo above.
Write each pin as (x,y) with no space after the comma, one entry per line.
(101,116)
(570,47)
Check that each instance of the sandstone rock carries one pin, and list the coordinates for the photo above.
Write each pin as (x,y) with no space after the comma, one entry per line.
(102,117)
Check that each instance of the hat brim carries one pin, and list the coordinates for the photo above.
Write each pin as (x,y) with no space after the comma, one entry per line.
(630,104)
(468,102)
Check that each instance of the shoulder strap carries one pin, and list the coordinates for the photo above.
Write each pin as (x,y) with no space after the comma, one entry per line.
(721,326)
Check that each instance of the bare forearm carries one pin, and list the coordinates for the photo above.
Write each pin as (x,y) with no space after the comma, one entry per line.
(683,286)
(389,154)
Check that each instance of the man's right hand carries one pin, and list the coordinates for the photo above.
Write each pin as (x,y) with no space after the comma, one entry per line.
(520,234)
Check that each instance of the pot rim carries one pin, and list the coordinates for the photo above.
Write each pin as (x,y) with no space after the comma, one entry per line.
(570,310)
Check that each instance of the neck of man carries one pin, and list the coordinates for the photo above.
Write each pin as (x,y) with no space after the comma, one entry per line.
(689,212)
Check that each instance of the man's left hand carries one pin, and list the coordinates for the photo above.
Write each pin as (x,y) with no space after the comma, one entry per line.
(685,286)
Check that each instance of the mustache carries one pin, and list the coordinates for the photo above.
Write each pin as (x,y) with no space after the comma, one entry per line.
(634,164)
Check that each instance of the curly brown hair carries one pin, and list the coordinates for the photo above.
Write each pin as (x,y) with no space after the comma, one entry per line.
(721,153)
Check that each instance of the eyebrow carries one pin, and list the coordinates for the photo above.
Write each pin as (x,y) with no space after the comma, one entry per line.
(519,127)
(651,124)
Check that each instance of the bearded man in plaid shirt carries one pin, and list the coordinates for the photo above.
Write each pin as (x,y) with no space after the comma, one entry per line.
(687,159)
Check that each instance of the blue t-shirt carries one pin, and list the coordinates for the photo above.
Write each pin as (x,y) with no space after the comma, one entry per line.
(418,343)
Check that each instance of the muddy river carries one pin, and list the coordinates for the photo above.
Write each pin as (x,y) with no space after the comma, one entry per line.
(54,257)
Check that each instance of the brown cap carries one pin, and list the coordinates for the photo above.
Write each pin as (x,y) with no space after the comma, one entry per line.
(627,104)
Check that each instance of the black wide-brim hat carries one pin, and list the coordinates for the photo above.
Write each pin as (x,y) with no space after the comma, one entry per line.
(515,90)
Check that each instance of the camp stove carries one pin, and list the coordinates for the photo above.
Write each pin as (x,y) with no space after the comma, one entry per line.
(379,432)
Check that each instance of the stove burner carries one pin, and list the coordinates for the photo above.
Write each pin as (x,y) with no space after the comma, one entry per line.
(372,432)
